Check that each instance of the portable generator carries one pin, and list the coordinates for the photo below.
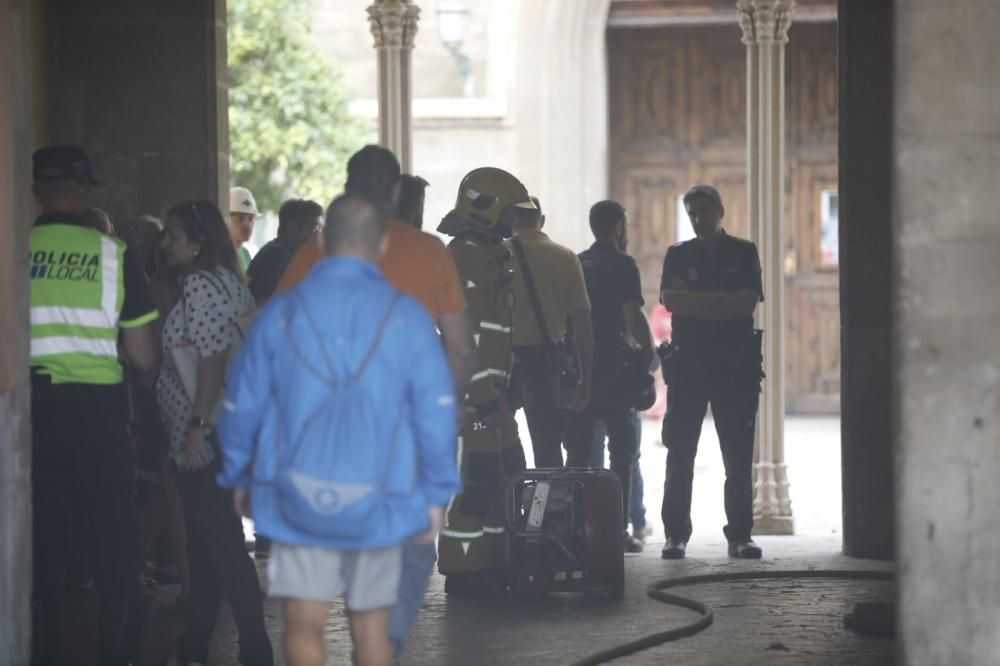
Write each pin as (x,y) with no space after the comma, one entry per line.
(565,530)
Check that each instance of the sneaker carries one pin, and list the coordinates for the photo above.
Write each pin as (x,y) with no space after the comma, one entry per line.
(642,533)
(632,545)
(673,549)
(745,550)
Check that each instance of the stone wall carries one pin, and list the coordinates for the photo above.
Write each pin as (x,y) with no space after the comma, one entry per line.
(142,86)
(947,246)
(16,134)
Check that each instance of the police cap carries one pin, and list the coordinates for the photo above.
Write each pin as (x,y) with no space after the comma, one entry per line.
(58,163)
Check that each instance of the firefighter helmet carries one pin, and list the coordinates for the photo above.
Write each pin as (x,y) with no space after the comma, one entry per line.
(482,195)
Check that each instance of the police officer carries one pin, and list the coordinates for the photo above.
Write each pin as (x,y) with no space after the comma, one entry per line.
(85,291)
(712,285)
(472,543)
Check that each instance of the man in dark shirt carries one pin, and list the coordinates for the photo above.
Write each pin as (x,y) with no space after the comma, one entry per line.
(615,292)
(712,285)
(298,221)
(412,194)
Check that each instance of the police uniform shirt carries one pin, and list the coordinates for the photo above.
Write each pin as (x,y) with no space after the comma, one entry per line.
(65,345)
(612,281)
(735,267)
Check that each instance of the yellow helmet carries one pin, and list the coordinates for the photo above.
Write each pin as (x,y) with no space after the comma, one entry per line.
(482,195)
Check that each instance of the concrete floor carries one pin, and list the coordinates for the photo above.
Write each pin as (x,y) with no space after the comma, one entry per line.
(756,622)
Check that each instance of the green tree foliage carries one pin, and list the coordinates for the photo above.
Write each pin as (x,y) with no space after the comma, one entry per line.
(290,132)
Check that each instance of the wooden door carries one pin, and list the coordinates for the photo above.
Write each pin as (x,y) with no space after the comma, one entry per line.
(678,118)
(812,291)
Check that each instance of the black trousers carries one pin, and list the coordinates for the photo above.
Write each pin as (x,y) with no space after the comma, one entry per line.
(623,441)
(546,421)
(735,414)
(221,569)
(82,475)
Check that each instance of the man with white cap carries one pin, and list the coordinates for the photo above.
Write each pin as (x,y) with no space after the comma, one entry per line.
(242,213)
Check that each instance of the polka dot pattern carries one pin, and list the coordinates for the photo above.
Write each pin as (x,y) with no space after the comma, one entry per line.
(206,316)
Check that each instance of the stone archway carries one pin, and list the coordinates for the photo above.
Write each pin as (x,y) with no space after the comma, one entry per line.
(561,109)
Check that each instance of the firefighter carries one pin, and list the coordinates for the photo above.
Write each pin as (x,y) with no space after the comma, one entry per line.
(473,542)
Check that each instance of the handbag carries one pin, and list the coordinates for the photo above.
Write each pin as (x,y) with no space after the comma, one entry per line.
(560,357)
(636,384)
(185,356)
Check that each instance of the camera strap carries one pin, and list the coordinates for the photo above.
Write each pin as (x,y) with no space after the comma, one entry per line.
(529,283)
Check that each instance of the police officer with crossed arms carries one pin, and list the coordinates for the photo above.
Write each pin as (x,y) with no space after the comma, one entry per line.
(712,285)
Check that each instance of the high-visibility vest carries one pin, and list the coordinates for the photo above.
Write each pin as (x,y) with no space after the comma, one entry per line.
(77,292)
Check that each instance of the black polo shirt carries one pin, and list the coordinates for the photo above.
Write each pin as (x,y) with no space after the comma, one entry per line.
(267,268)
(612,281)
(735,267)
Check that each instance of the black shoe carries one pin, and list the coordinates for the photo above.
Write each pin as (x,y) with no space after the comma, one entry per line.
(745,550)
(632,545)
(486,583)
(673,549)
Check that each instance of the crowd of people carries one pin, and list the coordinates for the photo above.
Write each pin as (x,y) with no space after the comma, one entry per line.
(352,388)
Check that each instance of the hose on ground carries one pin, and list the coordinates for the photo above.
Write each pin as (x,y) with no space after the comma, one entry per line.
(707,616)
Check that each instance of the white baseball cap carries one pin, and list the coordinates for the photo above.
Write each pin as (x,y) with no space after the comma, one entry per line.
(241,201)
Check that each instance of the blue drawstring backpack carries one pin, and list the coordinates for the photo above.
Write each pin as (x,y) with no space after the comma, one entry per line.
(331,471)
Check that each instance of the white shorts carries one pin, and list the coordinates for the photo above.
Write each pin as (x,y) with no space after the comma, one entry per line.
(367,579)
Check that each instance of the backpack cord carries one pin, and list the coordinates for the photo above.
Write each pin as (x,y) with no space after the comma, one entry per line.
(356,375)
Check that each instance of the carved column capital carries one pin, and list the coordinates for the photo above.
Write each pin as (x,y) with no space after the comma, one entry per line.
(765,21)
(393,23)
(746,12)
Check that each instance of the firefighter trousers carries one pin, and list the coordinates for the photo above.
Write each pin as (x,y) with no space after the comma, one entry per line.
(490,452)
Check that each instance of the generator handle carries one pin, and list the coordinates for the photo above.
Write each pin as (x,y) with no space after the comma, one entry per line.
(546,474)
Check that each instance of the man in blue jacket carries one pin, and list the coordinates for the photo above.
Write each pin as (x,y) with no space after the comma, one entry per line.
(279,384)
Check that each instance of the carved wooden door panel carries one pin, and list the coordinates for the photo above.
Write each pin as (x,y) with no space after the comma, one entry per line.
(677,118)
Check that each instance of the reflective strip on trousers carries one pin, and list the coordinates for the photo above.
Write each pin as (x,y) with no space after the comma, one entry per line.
(73,345)
(493,326)
(475,534)
(490,372)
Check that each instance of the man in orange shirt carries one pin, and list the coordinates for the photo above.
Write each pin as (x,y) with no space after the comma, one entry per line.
(419,265)
(416,262)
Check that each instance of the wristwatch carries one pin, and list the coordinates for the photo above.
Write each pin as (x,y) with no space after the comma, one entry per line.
(198,422)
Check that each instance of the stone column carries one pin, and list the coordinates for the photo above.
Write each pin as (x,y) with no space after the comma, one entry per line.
(765,26)
(866,308)
(394,26)
(15,389)
(946,176)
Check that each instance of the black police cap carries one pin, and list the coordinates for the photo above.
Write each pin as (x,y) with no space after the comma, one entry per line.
(56,163)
